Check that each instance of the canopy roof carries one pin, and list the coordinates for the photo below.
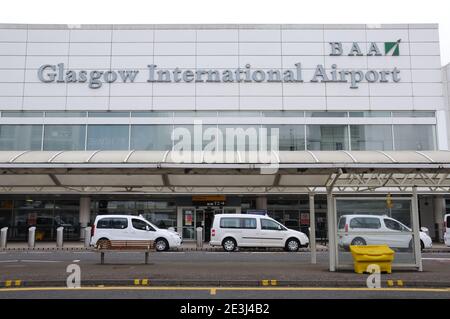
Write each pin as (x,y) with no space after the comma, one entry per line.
(223,172)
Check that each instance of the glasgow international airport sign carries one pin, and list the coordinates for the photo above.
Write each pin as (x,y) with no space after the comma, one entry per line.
(58,73)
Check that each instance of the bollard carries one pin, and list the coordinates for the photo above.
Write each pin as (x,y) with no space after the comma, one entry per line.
(87,237)
(59,237)
(199,237)
(31,236)
(3,237)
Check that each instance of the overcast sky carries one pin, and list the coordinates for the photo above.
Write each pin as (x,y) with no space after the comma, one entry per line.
(233,11)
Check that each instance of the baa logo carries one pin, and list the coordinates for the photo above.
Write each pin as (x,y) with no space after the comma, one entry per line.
(392,48)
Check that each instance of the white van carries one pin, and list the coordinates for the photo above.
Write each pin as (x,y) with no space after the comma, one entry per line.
(248,230)
(447,229)
(363,230)
(129,227)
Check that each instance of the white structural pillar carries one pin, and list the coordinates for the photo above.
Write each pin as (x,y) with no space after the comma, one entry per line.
(416,230)
(312,229)
(85,214)
(331,230)
(439,212)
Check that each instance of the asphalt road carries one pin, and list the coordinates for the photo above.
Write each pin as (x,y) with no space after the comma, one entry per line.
(224,293)
(48,268)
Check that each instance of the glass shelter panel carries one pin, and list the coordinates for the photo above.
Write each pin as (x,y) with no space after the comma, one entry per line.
(370,221)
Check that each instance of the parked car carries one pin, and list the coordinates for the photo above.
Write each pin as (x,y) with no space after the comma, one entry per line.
(129,227)
(250,230)
(376,230)
(447,229)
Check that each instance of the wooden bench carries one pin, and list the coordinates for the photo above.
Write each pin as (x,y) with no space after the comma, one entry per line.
(144,246)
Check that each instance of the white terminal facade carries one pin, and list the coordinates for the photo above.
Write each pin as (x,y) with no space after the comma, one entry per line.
(89,88)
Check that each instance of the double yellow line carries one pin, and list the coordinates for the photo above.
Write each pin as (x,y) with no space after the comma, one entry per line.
(213,290)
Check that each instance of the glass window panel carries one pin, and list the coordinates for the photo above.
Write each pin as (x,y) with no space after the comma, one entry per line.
(151,114)
(239,113)
(413,114)
(64,137)
(327,137)
(291,137)
(109,114)
(195,113)
(283,113)
(370,114)
(151,137)
(241,136)
(65,114)
(414,137)
(22,114)
(198,141)
(20,137)
(371,137)
(326,114)
(107,137)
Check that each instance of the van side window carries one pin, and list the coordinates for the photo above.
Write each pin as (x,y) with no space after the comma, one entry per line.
(112,223)
(392,224)
(448,221)
(269,224)
(235,222)
(365,222)
(139,224)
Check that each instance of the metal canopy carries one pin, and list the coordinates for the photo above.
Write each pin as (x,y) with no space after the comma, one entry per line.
(224,172)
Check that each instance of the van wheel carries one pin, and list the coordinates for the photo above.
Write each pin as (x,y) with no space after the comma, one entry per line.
(229,244)
(358,241)
(161,244)
(292,245)
(103,243)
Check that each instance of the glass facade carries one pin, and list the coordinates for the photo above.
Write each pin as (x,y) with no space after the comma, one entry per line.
(46,215)
(152,130)
(371,137)
(327,137)
(108,137)
(151,137)
(414,137)
(64,137)
(20,137)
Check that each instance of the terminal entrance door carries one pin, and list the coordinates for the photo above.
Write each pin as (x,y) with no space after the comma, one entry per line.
(193,217)
(204,217)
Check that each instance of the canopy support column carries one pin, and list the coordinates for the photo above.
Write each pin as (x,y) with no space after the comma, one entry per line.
(416,230)
(331,230)
(312,229)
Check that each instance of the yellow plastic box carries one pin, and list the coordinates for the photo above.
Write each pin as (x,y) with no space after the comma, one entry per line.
(364,256)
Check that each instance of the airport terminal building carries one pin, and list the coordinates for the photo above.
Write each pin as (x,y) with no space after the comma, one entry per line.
(87,115)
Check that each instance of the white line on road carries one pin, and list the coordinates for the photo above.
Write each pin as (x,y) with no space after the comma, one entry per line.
(39,261)
(435,258)
(9,261)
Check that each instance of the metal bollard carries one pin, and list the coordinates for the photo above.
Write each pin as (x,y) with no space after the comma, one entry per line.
(199,237)
(87,237)
(59,237)
(31,236)
(3,237)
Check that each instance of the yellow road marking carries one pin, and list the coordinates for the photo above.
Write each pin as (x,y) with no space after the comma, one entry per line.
(155,288)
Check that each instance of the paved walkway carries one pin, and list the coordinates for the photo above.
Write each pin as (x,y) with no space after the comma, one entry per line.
(187,246)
